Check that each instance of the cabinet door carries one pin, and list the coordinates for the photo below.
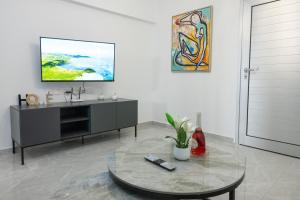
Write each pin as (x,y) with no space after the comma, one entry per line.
(39,126)
(127,113)
(103,117)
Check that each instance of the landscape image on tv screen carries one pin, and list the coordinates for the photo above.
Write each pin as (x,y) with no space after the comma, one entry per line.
(72,60)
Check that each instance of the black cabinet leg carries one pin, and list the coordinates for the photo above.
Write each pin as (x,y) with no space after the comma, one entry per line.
(22,155)
(82,139)
(232,195)
(135,131)
(13,146)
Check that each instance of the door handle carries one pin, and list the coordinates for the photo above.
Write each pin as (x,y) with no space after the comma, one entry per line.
(247,70)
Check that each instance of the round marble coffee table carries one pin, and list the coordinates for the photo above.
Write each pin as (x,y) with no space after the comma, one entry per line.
(217,172)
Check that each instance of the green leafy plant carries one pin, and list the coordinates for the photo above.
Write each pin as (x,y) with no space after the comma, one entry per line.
(183,128)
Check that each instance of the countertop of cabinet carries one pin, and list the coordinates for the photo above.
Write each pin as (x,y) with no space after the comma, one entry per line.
(69,104)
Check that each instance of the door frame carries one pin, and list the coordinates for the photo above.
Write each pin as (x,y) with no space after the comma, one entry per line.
(238,72)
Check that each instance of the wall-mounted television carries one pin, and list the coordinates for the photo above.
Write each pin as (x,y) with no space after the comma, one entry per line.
(76,60)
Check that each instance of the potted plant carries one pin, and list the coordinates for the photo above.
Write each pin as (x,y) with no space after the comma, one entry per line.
(183,129)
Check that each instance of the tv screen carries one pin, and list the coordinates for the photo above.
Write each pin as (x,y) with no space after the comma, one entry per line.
(75,60)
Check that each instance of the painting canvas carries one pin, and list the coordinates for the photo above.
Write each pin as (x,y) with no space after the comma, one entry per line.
(191,41)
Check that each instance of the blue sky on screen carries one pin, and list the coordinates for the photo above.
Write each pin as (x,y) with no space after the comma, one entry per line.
(92,49)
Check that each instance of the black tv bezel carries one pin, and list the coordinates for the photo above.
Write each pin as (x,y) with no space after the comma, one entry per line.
(77,80)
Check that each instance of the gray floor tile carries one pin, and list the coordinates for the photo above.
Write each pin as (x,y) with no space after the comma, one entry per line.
(70,170)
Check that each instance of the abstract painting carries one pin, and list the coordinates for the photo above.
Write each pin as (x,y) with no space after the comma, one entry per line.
(191,41)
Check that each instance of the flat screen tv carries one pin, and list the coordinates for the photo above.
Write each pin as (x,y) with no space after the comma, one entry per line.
(76,60)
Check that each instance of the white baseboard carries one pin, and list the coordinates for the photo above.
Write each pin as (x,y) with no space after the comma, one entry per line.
(229,139)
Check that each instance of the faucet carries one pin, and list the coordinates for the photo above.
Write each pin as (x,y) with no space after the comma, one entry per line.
(79,92)
(71,93)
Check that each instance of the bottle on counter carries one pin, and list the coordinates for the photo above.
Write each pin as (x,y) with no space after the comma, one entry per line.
(199,138)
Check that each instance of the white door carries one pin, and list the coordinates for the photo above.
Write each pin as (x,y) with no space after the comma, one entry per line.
(270,76)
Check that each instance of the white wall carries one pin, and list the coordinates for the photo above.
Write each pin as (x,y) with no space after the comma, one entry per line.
(143,56)
(140,9)
(213,94)
(23,22)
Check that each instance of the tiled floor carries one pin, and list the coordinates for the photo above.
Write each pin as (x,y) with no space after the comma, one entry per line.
(70,170)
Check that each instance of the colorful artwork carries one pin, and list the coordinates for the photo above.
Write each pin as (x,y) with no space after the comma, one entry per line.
(191,40)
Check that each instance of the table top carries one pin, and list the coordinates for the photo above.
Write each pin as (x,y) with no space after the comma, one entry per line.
(217,170)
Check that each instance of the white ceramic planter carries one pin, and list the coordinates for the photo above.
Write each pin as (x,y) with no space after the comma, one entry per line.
(181,154)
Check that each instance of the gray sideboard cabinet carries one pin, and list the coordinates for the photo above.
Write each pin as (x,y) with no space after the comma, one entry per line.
(35,125)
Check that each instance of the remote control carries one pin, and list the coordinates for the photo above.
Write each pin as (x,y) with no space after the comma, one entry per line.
(160,162)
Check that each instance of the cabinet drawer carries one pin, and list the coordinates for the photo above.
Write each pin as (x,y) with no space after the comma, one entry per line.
(39,126)
(103,117)
(127,113)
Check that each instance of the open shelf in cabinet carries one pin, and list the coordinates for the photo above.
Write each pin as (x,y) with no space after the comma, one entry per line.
(68,114)
(74,129)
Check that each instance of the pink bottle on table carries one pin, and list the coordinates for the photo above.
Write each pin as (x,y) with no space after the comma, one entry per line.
(199,137)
